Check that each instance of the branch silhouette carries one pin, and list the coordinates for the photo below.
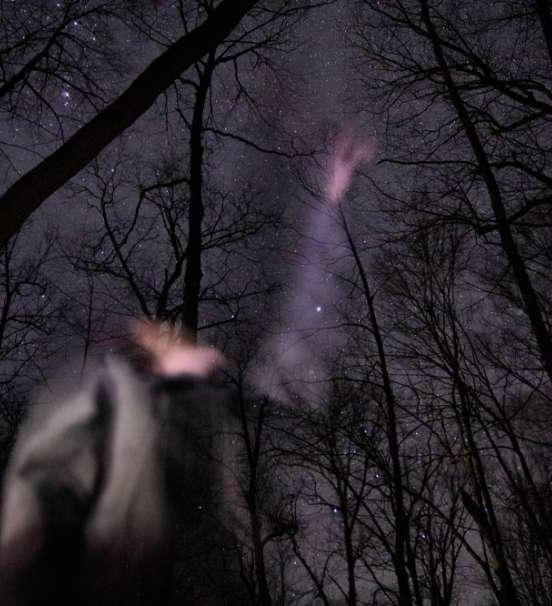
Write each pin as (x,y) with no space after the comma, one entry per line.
(33,188)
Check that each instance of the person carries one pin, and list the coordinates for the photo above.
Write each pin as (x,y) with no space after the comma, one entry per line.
(95,482)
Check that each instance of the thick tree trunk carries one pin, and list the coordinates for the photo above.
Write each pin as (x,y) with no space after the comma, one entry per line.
(193,273)
(26,194)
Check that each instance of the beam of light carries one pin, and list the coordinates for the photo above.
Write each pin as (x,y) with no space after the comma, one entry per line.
(349,153)
(295,357)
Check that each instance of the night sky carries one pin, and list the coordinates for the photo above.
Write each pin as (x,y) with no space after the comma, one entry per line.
(394,338)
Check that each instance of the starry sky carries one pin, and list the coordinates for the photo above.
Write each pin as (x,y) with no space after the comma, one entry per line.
(289,291)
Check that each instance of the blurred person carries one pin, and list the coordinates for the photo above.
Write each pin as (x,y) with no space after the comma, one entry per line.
(96,479)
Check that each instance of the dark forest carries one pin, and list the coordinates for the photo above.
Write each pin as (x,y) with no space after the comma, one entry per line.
(348,201)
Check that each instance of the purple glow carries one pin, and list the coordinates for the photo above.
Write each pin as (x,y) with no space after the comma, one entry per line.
(310,315)
(349,153)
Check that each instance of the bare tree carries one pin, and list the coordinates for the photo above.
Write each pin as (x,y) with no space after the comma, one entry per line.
(26,319)
(483,146)
(24,196)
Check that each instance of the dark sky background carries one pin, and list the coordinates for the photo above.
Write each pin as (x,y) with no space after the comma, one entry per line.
(314,313)
(310,104)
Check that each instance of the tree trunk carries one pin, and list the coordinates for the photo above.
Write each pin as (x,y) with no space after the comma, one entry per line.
(402,533)
(193,273)
(509,245)
(28,193)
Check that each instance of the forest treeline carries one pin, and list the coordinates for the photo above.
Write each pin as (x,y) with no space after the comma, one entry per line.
(143,149)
